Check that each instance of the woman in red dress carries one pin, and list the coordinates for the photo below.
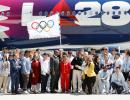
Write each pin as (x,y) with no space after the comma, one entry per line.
(36,74)
(65,67)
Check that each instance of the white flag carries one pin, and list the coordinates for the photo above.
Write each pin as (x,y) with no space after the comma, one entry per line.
(44,27)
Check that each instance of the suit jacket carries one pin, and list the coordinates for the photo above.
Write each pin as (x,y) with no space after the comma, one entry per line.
(54,66)
(14,66)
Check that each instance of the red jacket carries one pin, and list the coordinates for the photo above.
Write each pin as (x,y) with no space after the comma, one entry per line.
(65,67)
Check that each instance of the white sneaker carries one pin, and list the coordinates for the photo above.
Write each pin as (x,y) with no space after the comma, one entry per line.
(5,92)
(79,91)
(129,91)
(26,92)
(83,93)
(113,91)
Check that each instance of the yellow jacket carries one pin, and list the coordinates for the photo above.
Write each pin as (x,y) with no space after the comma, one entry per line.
(89,70)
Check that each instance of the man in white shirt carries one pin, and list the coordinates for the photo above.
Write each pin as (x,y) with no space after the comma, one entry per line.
(105,53)
(105,59)
(104,77)
(25,70)
(45,71)
(126,63)
(118,62)
(118,81)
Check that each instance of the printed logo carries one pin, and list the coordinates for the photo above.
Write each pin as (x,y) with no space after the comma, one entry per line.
(2,17)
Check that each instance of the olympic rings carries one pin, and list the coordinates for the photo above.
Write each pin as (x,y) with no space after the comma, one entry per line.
(42,26)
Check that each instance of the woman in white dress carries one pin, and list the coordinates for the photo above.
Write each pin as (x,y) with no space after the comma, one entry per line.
(5,71)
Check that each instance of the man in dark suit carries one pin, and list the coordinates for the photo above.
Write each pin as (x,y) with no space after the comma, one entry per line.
(14,73)
(54,71)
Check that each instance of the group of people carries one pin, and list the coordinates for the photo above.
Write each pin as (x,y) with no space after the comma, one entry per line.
(36,71)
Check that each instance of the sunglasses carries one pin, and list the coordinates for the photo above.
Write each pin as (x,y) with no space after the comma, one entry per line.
(117,67)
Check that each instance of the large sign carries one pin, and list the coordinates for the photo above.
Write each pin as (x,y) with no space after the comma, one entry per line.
(76,16)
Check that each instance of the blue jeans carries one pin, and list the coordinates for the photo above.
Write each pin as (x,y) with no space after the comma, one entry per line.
(14,82)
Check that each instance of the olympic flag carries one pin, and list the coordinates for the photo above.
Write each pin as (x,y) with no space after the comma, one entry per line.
(46,27)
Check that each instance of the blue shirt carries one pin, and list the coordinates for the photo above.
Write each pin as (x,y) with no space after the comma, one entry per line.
(26,65)
(103,74)
(118,78)
(126,64)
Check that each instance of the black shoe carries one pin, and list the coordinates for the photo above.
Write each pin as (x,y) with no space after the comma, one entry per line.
(43,91)
(53,92)
(17,92)
(13,93)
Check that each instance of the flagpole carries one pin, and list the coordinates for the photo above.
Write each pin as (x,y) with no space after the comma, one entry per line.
(60,42)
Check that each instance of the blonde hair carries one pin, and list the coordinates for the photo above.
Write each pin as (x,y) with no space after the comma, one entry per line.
(88,58)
